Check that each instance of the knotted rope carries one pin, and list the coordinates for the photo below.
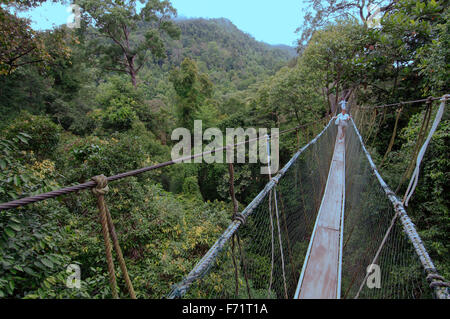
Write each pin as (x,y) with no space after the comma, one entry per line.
(99,191)
(108,230)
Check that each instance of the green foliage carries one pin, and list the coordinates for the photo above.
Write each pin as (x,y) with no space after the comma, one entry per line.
(30,248)
(119,117)
(167,219)
(193,90)
(44,134)
(23,46)
(118,22)
(190,186)
(21,174)
(31,238)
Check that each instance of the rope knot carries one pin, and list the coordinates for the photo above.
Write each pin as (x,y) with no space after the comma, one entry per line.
(435,284)
(102,185)
(239,217)
(430,277)
(390,193)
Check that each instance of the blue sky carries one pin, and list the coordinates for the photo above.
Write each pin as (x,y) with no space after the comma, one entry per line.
(271,21)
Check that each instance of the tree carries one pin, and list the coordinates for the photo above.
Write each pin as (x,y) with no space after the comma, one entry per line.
(335,52)
(21,45)
(326,11)
(421,29)
(118,21)
(193,90)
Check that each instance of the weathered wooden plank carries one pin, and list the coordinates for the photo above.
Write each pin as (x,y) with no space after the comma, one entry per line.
(321,275)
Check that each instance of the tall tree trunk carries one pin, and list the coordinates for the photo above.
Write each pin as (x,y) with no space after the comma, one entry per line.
(132,71)
(133,77)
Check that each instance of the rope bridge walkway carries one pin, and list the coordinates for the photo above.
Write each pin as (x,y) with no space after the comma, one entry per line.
(320,274)
(294,239)
(326,226)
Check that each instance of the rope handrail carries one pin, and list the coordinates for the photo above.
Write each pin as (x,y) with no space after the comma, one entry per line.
(90,184)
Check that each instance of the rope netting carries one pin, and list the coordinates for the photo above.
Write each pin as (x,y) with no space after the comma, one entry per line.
(374,234)
(286,209)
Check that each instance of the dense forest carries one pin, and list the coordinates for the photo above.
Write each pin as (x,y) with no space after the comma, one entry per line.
(104,98)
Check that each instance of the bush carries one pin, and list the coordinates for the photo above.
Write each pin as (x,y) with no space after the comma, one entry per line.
(44,134)
(119,118)
(191,188)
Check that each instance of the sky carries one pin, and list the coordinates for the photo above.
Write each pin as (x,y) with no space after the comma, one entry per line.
(271,21)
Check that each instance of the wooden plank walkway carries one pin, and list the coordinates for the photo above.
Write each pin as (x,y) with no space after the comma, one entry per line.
(320,277)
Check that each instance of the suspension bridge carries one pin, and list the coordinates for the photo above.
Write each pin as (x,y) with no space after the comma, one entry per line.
(320,228)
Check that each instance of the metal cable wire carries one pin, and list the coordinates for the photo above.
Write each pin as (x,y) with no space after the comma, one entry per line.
(430,98)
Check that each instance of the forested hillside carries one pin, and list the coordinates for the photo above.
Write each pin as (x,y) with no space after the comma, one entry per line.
(104,99)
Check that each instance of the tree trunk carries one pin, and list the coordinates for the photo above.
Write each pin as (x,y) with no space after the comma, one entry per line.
(132,71)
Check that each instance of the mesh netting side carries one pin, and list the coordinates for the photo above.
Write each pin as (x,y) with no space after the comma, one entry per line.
(368,216)
(298,193)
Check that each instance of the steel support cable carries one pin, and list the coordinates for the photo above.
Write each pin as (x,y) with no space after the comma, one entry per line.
(377,254)
(236,235)
(283,212)
(382,118)
(233,257)
(409,228)
(371,125)
(91,184)
(278,219)
(415,177)
(420,137)
(394,133)
(273,245)
(401,103)
(271,223)
(281,243)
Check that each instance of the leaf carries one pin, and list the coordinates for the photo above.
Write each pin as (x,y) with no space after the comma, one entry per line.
(40,265)
(22,139)
(16,227)
(24,134)
(30,271)
(18,267)
(14,219)
(47,262)
(10,232)
(16,180)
